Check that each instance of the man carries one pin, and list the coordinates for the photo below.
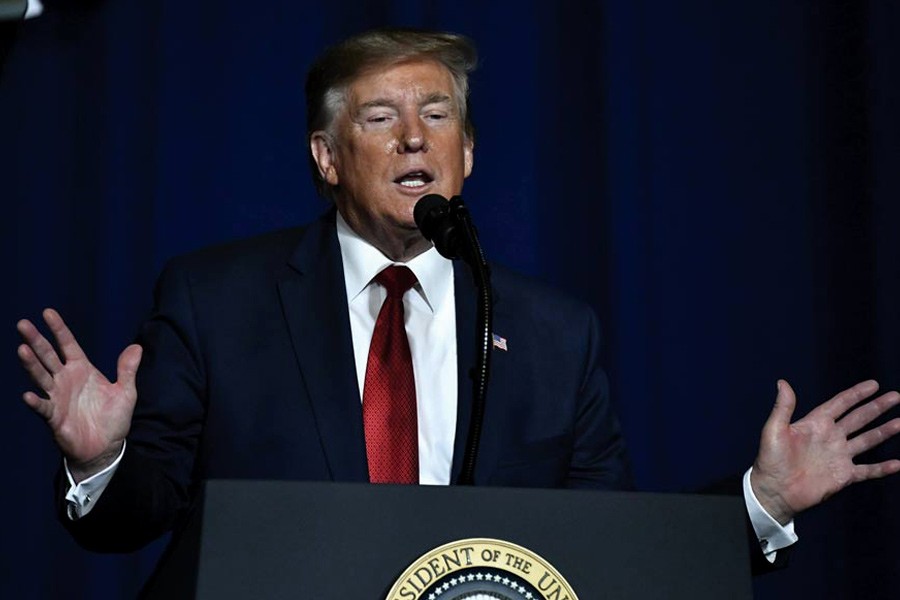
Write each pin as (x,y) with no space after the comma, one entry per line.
(264,358)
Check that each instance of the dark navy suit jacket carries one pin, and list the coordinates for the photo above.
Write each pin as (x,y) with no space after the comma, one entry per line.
(248,372)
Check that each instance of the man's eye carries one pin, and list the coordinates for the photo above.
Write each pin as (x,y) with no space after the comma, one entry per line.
(378,119)
(435,116)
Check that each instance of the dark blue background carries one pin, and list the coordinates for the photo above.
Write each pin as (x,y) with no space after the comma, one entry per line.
(720,180)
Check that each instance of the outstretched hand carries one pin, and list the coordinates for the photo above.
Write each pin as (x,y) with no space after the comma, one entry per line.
(801,464)
(88,415)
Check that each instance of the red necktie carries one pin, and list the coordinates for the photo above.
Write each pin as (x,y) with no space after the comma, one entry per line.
(389,393)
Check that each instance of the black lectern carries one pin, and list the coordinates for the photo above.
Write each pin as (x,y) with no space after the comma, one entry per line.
(267,539)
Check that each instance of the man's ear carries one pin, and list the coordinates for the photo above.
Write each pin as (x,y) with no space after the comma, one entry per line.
(468,156)
(321,147)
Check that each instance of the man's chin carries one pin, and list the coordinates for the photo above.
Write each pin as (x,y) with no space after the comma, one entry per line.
(406,219)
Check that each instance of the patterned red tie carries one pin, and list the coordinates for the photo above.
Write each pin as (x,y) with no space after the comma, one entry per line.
(389,393)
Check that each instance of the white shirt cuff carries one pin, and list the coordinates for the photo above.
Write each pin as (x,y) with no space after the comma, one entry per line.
(83,496)
(771,534)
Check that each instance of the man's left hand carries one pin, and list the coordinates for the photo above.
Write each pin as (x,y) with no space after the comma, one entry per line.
(803,463)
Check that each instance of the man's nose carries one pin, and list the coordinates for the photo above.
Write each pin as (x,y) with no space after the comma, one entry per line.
(412,135)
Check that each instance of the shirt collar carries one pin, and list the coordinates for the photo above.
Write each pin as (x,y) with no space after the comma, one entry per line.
(363,261)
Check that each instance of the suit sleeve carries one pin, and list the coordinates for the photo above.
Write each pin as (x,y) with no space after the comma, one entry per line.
(599,458)
(151,490)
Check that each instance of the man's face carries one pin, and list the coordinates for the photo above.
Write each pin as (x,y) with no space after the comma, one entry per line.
(398,137)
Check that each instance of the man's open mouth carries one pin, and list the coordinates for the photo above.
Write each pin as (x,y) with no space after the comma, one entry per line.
(414,179)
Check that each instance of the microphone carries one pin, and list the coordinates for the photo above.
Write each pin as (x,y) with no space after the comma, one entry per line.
(440,222)
(448,225)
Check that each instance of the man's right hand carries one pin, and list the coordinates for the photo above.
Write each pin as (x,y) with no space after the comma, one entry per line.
(88,415)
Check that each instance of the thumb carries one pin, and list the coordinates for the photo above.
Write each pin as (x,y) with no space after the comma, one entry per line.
(127,367)
(785,402)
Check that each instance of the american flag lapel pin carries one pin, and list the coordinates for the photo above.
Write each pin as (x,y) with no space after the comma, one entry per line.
(500,343)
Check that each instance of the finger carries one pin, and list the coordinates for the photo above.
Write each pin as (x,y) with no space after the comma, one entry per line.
(873,437)
(868,412)
(785,402)
(64,338)
(39,405)
(846,400)
(876,471)
(127,368)
(43,349)
(35,368)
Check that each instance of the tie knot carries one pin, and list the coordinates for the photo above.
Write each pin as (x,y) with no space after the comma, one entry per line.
(396,280)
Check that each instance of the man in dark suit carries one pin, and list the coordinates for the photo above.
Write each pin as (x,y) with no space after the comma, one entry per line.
(257,360)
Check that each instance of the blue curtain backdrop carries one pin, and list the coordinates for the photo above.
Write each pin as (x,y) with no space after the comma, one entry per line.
(720,180)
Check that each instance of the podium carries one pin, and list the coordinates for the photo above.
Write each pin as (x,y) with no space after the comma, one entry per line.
(280,539)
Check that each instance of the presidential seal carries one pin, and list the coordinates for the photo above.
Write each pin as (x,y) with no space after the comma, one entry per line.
(481,569)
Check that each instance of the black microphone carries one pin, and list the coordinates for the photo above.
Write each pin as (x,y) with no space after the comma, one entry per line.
(448,225)
(440,221)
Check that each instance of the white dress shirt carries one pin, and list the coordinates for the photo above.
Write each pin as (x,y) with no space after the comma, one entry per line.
(430,317)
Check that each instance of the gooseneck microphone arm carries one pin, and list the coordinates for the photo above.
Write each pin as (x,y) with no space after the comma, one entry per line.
(449,226)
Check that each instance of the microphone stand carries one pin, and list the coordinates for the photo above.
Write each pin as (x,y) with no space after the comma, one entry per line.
(474,257)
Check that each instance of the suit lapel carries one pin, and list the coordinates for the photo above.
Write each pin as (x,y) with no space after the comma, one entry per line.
(465,293)
(314,300)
